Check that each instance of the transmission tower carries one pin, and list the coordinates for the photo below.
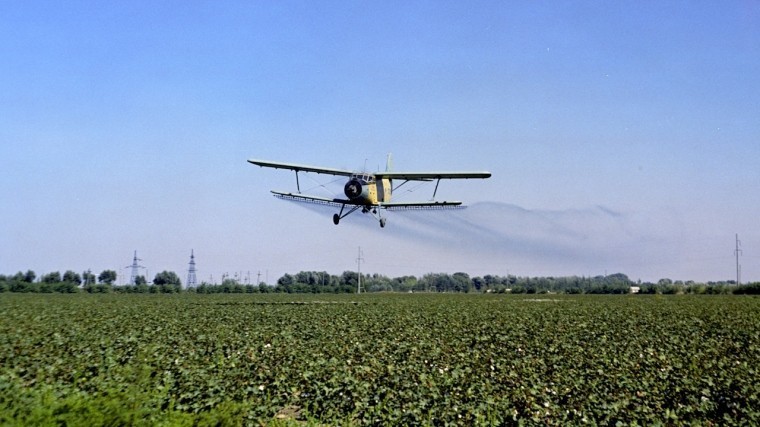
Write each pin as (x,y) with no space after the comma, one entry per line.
(135,269)
(738,252)
(359,261)
(191,280)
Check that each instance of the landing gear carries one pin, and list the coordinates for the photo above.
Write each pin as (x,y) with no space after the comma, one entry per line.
(379,217)
(365,209)
(338,216)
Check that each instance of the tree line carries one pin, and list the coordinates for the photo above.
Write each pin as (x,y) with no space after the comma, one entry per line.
(351,282)
(72,282)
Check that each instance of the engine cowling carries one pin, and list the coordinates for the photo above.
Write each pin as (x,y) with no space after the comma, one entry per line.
(356,190)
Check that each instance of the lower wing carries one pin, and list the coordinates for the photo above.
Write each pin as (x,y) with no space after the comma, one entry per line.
(297,197)
(422,205)
(311,199)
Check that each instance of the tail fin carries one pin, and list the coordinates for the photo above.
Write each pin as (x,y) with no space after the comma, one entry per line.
(388,163)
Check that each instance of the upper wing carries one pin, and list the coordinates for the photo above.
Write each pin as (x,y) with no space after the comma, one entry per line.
(409,176)
(427,176)
(300,168)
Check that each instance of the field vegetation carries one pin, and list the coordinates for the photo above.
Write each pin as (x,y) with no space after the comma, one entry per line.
(382,359)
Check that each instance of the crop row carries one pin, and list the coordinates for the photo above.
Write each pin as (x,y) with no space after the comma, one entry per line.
(379,359)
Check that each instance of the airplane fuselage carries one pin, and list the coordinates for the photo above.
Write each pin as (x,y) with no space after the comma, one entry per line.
(365,189)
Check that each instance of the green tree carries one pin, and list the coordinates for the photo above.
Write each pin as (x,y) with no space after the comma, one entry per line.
(29,276)
(404,283)
(285,283)
(54,277)
(107,277)
(349,279)
(71,277)
(66,287)
(462,282)
(168,281)
(618,280)
(88,279)
(17,283)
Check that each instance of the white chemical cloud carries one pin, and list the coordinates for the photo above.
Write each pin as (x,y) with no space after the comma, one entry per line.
(502,238)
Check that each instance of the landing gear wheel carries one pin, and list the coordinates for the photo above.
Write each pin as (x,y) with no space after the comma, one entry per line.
(336,219)
(382,222)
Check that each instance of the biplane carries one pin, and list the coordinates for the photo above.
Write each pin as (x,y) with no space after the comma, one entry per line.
(370,192)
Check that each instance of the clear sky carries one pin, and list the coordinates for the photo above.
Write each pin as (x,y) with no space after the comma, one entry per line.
(622,136)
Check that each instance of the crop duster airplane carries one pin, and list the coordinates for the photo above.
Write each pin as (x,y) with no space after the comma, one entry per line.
(369,191)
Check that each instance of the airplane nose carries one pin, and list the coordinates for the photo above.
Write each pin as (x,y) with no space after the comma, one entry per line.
(353,189)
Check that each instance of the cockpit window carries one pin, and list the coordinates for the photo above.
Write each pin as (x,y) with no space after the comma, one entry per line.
(364,177)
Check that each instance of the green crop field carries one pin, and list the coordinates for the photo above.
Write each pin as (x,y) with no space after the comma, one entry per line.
(406,359)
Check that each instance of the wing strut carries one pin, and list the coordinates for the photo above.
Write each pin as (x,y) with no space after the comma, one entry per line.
(298,184)
(436,188)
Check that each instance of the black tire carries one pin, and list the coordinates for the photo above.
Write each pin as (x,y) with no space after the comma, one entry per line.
(336,219)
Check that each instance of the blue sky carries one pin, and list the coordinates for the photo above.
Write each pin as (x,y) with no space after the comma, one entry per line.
(622,136)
